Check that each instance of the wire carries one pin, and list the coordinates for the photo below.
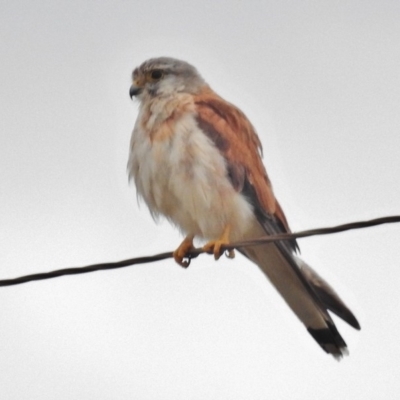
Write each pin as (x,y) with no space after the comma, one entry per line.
(196,252)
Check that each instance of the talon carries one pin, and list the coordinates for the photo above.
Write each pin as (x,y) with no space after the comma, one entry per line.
(230,253)
(180,254)
(214,246)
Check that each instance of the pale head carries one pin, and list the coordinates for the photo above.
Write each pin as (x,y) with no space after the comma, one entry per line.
(164,76)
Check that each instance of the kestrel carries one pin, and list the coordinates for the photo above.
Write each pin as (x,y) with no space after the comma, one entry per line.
(197,160)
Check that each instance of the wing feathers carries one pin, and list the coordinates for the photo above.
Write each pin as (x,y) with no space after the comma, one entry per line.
(232,133)
(307,294)
(328,296)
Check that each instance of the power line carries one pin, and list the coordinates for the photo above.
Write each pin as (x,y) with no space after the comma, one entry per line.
(196,252)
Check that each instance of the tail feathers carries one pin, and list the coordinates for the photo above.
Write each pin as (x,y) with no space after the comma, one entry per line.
(306,293)
(327,295)
(330,340)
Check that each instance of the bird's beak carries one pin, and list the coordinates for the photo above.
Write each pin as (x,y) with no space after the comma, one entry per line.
(134,90)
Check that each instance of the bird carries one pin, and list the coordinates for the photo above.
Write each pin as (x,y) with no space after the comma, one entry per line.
(196,160)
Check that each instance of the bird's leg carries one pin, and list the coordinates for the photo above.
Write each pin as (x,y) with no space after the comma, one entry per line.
(180,253)
(214,246)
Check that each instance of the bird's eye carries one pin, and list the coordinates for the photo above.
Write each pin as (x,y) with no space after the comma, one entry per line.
(156,74)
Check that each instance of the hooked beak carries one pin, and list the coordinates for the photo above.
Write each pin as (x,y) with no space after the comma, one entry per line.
(134,91)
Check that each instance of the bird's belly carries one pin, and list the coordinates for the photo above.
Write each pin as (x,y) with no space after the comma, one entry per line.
(183,177)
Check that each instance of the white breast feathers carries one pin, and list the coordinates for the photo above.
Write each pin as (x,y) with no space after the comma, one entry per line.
(181,174)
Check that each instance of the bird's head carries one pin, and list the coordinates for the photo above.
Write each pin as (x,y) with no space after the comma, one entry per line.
(164,76)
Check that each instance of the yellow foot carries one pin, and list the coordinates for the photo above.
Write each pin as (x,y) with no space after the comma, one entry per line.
(214,246)
(180,254)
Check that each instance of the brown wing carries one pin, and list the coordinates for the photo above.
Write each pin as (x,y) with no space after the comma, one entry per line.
(235,137)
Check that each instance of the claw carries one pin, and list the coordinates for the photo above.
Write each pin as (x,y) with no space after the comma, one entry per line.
(230,253)
(180,254)
(214,246)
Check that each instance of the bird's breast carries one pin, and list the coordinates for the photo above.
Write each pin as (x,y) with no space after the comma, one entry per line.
(180,173)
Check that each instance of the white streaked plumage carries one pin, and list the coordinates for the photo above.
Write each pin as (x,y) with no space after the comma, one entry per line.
(184,176)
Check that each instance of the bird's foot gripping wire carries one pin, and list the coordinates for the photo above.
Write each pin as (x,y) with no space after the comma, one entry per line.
(180,254)
(214,246)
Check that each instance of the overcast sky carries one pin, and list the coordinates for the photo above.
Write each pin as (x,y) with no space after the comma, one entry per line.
(320,80)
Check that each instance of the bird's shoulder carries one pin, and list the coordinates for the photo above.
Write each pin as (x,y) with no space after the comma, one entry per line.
(226,121)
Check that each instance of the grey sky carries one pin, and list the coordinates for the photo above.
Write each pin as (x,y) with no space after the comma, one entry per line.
(319,80)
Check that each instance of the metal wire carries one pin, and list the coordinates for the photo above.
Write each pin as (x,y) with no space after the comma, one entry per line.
(196,252)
